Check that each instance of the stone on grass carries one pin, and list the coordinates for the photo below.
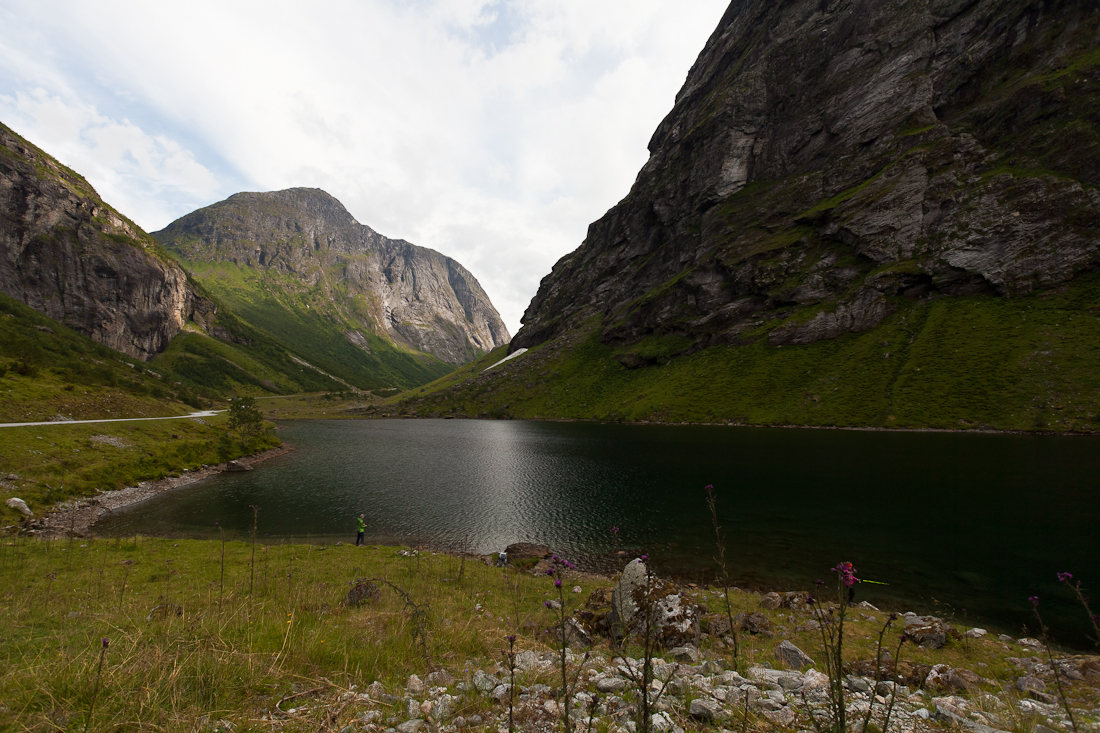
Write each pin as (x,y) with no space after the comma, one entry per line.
(792,656)
(414,686)
(483,682)
(976,633)
(783,717)
(611,684)
(412,726)
(704,709)
(686,654)
(527,661)
(20,506)
(623,605)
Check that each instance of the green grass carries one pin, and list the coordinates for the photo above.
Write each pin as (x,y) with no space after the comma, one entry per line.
(1026,363)
(190,648)
(54,463)
(313,322)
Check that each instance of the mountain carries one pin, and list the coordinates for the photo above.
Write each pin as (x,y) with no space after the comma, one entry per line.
(856,213)
(74,259)
(297,265)
(69,255)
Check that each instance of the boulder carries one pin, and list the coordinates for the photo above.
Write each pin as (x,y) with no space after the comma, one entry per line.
(792,656)
(20,506)
(705,709)
(754,623)
(611,684)
(623,603)
(527,551)
(929,631)
(687,654)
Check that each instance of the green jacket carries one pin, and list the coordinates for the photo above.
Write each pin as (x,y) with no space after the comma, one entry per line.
(360,525)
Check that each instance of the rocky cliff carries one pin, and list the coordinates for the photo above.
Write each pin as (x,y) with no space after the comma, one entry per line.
(304,250)
(70,256)
(827,161)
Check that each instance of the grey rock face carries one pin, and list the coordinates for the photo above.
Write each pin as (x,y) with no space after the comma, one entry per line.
(414,295)
(70,256)
(825,160)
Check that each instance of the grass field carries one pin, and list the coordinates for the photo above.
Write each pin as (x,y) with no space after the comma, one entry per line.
(198,643)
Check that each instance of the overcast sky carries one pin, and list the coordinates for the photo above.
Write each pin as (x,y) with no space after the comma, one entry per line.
(493,132)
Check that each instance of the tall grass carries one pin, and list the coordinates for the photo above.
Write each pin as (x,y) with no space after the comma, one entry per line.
(198,654)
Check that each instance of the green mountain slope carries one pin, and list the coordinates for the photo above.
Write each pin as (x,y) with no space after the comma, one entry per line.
(309,322)
(980,362)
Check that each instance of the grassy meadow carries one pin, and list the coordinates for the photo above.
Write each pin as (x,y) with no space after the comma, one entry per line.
(198,643)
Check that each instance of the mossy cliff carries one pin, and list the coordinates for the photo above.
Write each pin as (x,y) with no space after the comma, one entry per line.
(856,213)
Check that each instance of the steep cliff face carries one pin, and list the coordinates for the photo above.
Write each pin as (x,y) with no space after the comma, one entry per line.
(304,250)
(829,160)
(70,256)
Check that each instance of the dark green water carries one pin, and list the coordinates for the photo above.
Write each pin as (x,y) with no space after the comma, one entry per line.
(979,522)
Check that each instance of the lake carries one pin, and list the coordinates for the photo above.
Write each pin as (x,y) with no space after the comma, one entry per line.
(948,520)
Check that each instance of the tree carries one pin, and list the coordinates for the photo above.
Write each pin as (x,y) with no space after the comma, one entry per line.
(246,419)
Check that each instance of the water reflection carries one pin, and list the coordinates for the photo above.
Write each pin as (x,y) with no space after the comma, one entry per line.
(980,521)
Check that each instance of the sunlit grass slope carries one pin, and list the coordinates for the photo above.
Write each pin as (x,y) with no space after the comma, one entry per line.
(1028,363)
(316,322)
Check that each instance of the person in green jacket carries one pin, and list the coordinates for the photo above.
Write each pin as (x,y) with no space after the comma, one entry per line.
(360,528)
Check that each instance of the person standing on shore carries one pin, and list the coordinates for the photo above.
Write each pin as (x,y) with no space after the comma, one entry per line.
(360,528)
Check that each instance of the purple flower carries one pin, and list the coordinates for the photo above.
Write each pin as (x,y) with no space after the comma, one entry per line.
(614,530)
(546,604)
(643,558)
(1034,600)
(549,571)
(106,642)
(1064,577)
(819,581)
(810,598)
(512,639)
(708,486)
(557,583)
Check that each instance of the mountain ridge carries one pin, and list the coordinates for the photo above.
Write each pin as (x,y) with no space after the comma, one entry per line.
(300,239)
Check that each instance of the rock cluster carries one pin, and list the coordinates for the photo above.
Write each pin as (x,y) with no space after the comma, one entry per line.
(700,694)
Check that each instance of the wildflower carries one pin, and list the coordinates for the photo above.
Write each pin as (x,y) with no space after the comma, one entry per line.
(810,598)
(614,530)
(894,616)
(643,558)
(819,582)
(1065,577)
(557,583)
(546,604)
(106,642)
(1034,600)
(512,639)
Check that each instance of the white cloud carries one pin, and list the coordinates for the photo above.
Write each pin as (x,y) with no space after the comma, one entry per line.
(492,131)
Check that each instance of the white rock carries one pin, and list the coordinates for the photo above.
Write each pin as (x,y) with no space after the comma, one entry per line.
(20,506)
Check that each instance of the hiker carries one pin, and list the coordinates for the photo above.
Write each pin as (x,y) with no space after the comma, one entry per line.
(360,528)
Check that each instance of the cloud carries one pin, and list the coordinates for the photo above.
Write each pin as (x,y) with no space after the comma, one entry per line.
(130,169)
(493,131)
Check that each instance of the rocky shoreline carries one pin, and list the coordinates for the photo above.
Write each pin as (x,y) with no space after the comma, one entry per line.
(79,515)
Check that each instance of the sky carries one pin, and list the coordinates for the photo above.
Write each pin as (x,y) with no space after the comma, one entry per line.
(493,131)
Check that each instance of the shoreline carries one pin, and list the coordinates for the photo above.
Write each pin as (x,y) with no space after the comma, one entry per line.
(78,516)
(788,426)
